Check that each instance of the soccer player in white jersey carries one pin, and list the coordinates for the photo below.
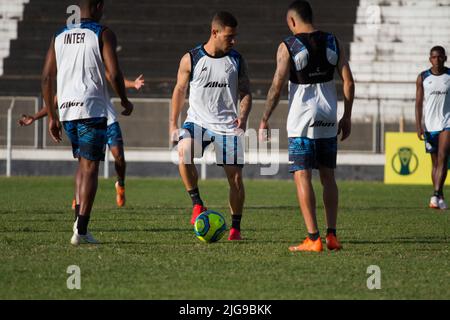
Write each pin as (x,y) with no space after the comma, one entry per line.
(81,58)
(114,142)
(217,78)
(433,120)
(309,59)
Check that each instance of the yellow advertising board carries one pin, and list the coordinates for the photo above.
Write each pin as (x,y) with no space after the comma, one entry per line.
(406,160)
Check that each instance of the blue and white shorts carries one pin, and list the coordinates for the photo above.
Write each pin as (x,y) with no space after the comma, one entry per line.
(88,137)
(114,134)
(432,140)
(229,149)
(306,154)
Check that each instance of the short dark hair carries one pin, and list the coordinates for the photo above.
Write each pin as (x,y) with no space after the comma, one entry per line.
(303,9)
(439,49)
(225,19)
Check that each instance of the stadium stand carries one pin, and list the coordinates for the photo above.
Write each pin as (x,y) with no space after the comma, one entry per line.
(392,40)
(11,12)
(152,38)
(388,43)
(154,34)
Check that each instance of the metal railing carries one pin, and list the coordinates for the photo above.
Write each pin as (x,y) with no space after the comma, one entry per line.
(9,128)
(376,118)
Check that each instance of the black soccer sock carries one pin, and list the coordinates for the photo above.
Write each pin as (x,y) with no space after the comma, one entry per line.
(314,236)
(82,224)
(77,211)
(439,194)
(195,197)
(236,222)
(331,231)
(121,182)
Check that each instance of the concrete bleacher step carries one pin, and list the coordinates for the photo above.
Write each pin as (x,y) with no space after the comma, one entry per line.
(399,12)
(153,35)
(405,34)
(402,3)
(391,52)
(390,110)
(385,90)
(383,67)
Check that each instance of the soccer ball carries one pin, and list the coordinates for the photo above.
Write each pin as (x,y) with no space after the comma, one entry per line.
(210,226)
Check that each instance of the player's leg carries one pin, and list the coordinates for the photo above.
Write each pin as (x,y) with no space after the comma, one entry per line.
(77,190)
(229,150)
(330,201)
(326,150)
(431,147)
(236,199)
(92,141)
(441,171)
(115,143)
(88,187)
(302,161)
(434,200)
(71,130)
(191,145)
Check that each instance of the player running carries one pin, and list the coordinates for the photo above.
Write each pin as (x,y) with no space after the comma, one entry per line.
(115,142)
(81,58)
(433,106)
(217,78)
(308,59)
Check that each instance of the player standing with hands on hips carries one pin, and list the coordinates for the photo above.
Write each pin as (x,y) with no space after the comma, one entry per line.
(309,59)
(81,58)
(217,78)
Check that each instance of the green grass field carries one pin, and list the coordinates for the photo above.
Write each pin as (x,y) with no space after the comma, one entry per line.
(149,251)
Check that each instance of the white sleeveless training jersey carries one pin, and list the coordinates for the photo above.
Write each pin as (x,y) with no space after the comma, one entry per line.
(436,103)
(81,81)
(312,91)
(213,97)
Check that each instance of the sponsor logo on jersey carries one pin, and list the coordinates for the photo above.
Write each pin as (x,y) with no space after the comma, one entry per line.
(228,68)
(437,92)
(216,84)
(320,123)
(70,104)
(204,69)
(318,73)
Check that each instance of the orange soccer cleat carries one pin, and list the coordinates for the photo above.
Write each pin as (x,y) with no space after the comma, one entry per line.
(333,243)
(308,245)
(120,195)
(74,203)
(196,211)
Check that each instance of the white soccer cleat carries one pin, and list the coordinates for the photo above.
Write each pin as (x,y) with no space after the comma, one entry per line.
(434,202)
(442,204)
(78,239)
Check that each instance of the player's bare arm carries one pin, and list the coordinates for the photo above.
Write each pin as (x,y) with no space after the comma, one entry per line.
(26,120)
(113,72)
(419,107)
(179,95)
(345,124)
(279,80)
(48,82)
(245,96)
(135,84)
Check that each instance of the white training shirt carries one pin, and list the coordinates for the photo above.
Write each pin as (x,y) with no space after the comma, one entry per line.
(436,103)
(312,90)
(312,110)
(81,81)
(213,97)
